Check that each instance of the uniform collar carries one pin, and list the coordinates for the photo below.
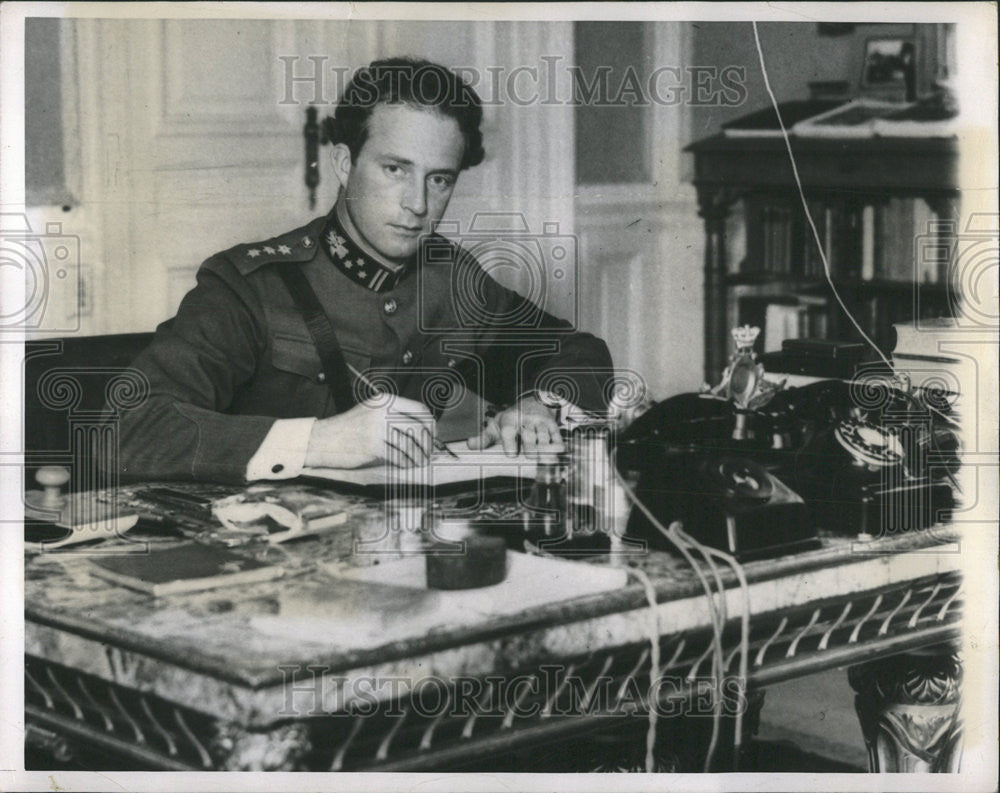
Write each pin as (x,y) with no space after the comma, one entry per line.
(358,265)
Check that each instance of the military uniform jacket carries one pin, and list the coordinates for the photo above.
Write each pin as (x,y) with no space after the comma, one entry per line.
(238,354)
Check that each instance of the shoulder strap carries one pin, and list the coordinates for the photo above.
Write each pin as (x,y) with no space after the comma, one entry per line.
(338,379)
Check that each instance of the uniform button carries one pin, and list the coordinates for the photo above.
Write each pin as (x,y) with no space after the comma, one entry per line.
(321,377)
(277,469)
(407,357)
(390,306)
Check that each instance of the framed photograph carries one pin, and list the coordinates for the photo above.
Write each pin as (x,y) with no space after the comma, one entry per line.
(889,68)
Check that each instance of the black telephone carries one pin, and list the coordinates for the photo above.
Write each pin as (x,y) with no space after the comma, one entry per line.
(884,465)
(846,458)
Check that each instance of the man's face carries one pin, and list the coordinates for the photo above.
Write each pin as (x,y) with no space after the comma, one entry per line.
(403,177)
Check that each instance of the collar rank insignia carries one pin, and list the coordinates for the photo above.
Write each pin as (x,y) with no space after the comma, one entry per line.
(348,257)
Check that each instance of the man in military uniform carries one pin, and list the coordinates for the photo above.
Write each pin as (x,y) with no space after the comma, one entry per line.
(246,383)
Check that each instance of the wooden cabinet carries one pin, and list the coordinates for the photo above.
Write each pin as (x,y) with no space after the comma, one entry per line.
(884,211)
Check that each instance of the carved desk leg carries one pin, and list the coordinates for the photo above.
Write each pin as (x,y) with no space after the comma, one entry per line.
(908,706)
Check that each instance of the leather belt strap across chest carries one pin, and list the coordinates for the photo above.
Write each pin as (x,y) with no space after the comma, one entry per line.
(324,337)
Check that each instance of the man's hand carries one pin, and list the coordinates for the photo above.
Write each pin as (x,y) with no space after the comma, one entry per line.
(529,421)
(400,432)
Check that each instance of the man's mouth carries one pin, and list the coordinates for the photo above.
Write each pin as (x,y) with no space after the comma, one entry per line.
(412,231)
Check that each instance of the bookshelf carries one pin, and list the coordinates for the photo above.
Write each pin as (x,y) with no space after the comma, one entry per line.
(867,196)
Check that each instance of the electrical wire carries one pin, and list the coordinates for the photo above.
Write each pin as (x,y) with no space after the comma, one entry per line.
(710,599)
(654,665)
(815,231)
(805,204)
(718,670)
(744,652)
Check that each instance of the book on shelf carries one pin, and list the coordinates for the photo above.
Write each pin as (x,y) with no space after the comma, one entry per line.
(930,266)
(784,317)
(847,243)
(183,568)
(897,240)
(812,255)
(780,322)
(770,233)
(754,208)
(867,242)
(910,248)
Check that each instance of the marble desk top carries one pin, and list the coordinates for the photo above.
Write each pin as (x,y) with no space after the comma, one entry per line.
(221,646)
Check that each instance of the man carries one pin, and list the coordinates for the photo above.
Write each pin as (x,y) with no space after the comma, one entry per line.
(260,374)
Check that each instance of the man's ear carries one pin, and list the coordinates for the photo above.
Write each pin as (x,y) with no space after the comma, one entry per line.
(340,156)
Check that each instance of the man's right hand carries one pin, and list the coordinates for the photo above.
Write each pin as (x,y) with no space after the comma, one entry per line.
(384,429)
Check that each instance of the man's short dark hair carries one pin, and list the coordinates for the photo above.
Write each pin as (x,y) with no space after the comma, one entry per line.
(409,81)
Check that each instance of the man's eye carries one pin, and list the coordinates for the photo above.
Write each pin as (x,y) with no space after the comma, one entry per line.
(442,182)
(393,169)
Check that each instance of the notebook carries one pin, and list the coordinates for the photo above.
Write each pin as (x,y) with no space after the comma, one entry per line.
(184,568)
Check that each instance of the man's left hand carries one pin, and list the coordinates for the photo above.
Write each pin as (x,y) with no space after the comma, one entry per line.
(529,424)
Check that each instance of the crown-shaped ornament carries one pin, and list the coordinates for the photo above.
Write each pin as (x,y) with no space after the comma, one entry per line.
(745,337)
(743,380)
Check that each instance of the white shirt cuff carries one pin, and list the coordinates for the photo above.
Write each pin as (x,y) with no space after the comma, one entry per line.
(282,454)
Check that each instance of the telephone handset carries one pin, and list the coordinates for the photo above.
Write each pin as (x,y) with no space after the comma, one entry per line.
(741,478)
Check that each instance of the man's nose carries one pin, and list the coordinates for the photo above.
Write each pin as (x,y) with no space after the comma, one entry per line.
(415,197)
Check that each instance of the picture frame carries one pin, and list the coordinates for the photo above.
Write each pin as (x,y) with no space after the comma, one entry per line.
(889,68)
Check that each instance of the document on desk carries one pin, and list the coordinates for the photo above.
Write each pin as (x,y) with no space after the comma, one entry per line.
(368,607)
(531,581)
(467,465)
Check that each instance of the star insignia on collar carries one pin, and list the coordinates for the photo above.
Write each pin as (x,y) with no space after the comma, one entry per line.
(253,253)
(268,249)
(348,264)
(306,242)
(362,274)
(284,249)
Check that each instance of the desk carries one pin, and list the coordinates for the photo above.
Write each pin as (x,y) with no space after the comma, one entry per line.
(186,682)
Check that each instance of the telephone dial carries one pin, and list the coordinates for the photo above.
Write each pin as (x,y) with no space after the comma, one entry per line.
(761,481)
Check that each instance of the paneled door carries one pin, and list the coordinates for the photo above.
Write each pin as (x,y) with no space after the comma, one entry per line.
(191,139)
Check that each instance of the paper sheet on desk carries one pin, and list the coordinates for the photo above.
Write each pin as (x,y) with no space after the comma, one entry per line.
(531,581)
(368,607)
(443,469)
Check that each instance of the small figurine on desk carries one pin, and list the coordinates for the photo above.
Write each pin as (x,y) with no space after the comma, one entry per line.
(743,381)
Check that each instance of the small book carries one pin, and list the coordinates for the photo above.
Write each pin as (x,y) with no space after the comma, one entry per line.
(183,568)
